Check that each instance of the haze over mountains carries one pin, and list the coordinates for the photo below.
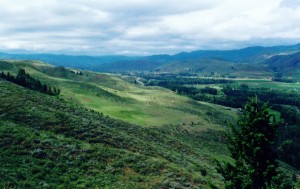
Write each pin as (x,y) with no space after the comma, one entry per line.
(113,63)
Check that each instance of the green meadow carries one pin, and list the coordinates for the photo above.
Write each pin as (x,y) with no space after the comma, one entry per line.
(254,83)
(111,95)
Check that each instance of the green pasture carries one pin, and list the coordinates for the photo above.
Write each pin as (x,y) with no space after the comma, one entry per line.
(255,83)
(111,95)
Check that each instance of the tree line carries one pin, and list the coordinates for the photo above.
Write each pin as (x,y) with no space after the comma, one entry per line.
(25,80)
(171,81)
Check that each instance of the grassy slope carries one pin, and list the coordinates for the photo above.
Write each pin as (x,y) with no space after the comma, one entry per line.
(47,142)
(120,99)
(101,151)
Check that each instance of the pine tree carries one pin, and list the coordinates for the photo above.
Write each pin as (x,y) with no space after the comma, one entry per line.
(251,146)
(25,80)
(10,77)
(21,78)
(2,75)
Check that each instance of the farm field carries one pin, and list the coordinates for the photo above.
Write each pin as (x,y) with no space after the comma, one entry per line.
(254,83)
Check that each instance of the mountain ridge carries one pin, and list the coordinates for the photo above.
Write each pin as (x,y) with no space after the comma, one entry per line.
(114,63)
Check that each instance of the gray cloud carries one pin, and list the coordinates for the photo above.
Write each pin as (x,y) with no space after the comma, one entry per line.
(145,26)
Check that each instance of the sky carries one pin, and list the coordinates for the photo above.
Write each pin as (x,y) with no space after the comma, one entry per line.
(144,27)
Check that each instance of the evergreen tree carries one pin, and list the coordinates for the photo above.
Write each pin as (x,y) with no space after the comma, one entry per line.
(25,80)
(251,146)
(44,88)
(21,77)
(10,77)
(2,75)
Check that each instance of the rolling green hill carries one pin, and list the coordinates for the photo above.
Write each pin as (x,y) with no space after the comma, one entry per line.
(54,142)
(117,98)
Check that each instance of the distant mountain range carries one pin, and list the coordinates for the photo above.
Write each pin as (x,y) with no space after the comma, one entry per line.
(84,62)
(248,55)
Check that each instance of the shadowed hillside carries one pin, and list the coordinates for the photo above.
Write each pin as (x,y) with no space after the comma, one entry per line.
(285,65)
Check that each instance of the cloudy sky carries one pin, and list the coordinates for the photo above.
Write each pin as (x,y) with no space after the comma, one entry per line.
(142,27)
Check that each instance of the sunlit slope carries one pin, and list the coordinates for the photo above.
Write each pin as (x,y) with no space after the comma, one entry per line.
(117,98)
(47,142)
